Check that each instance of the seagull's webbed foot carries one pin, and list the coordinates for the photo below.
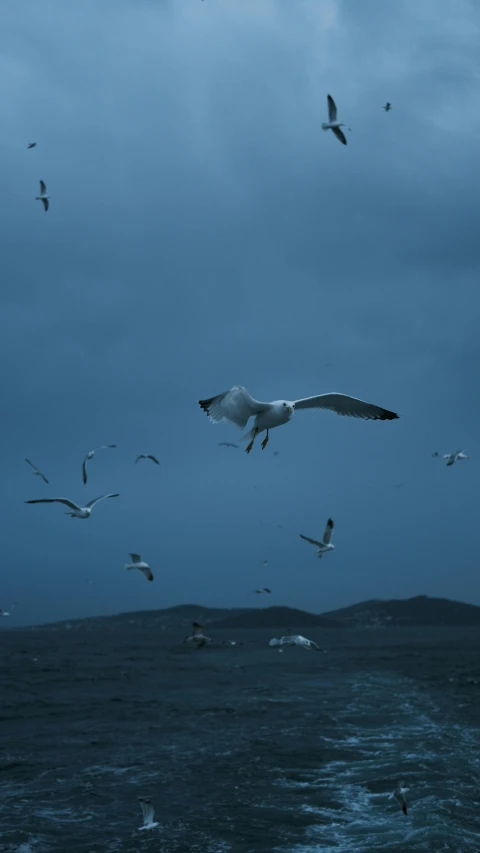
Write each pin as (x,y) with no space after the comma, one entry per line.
(249,447)
(265,441)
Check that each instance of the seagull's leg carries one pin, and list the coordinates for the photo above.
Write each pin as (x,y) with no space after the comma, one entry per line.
(265,441)
(255,433)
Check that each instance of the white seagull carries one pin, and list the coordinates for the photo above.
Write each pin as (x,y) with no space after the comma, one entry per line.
(7,612)
(324,545)
(90,455)
(148,812)
(332,123)
(77,511)
(198,638)
(452,457)
(145,456)
(264,589)
(138,563)
(294,640)
(43,197)
(36,471)
(237,406)
(399,793)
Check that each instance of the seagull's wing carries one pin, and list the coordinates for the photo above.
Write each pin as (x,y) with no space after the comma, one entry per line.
(54,501)
(339,134)
(314,646)
(92,503)
(343,404)
(148,812)
(36,470)
(46,204)
(312,541)
(103,447)
(197,628)
(84,470)
(142,456)
(136,558)
(236,406)
(332,109)
(153,458)
(328,532)
(43,188)
(148,574)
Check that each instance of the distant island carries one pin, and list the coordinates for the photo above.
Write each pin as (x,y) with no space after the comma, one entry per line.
(394,613)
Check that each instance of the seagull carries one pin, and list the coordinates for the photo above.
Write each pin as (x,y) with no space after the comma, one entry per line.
(143,456)
(198,637)
(227,444)
(332,123)
(399,796)
(237,406)
(148,814)
(43,197)
(387,107)
(265,589)
(90,455)
(31,145)
(138,563)
(7,612)
(36,471)
(78,511)
(452,457)
(294,640)
(324,545)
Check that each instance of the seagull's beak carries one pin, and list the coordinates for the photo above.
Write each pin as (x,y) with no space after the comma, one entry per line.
(290,409)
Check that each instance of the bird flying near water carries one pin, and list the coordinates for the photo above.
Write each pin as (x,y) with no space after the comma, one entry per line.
(77,511)
(198,638)
(324,545)
(399,794)
(237,406)
(148,812)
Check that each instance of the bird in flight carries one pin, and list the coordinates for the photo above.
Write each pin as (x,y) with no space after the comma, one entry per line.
(148,812)
(90,455)
(387,107)
(77,511)
(36,471)
(324,545)
(145,456)
(399,794)
(43,197)
(332,123)
(295,640)
(198,638)
(7,612)
(237,406)
(227,444)
(138,563)
(265,589)
(452,457)
(31,145)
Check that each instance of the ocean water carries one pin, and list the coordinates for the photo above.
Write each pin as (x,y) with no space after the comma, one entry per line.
(240,748)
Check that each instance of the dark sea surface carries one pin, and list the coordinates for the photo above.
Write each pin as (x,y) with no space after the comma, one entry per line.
(240,748)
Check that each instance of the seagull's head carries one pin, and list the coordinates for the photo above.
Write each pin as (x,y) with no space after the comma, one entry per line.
(286,407)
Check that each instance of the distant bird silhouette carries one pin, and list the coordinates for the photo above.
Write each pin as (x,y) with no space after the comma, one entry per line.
(147,456)
(43,197)
(31,145)
(332,123)
(387,107)
(36,471)
(138,563)
(198,638)
(324,545)
(90,455)
(452,457)
(227,444)
(265,589)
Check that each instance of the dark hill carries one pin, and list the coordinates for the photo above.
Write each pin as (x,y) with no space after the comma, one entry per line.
(421,610)
(276,617)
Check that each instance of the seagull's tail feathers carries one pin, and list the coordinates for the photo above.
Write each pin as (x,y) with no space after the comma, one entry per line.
(254,431)
(325,126)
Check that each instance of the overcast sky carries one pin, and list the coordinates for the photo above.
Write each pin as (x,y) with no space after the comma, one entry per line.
(204,231)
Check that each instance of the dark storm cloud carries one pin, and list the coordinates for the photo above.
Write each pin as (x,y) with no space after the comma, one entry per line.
(203,231)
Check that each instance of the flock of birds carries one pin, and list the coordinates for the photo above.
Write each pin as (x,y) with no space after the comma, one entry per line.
(237,407)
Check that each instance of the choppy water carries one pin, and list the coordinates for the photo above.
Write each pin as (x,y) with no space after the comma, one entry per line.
(240,749)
